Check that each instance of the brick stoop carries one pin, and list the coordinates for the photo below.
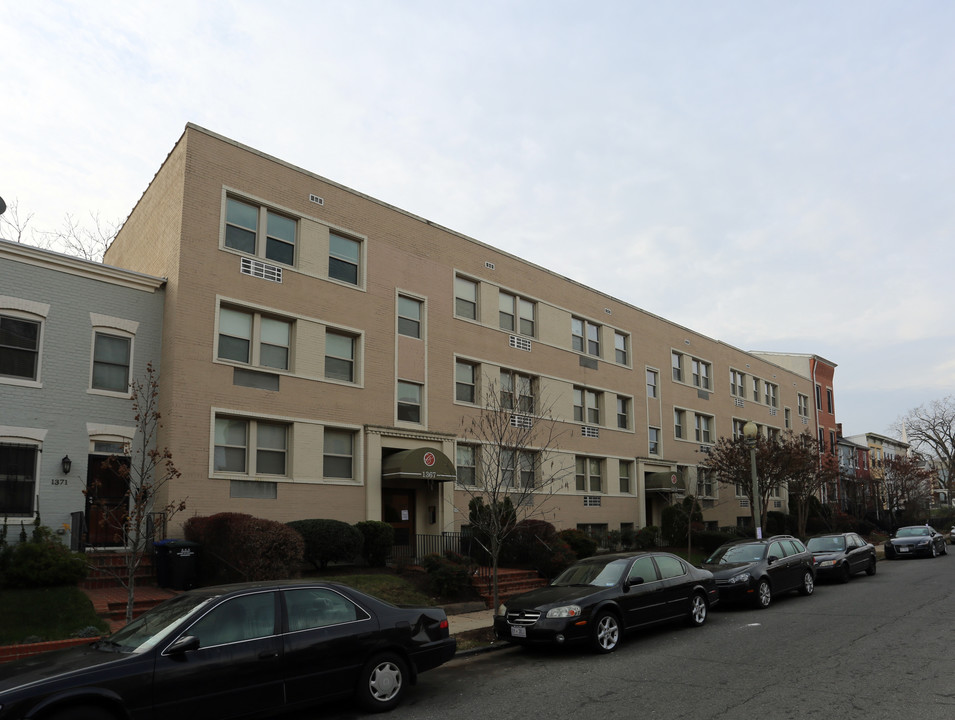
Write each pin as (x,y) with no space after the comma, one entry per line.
(110,603)
(104,566)
(510,582)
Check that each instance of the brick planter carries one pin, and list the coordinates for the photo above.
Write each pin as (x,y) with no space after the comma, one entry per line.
(16,652)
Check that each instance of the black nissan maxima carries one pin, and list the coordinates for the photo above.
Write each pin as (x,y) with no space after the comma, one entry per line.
(597,599)
(235,651)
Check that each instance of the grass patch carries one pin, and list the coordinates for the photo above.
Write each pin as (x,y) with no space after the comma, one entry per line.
(390,587)
(46,613)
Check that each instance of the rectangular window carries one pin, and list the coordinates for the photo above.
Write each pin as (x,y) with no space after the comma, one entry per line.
(585,336)
(701,374)
(464,382)
(409,316)
(772,395)
(679,423)
(789,418)
(465,298)
(703,428)
(339,356)
(17,478)
(653,382)
(409,402)
(246,223)
(676,360)
(271,347)
(736,384)
(525,468)
(527,317)
(344,258)
(234,437)
(803,405)
(19,347)
(705,484)
(829,400)
(586,406)
(621,351)
(756,389)
(506,315)
(338,454)
(588,474)
(818,397)
(517,391)
(654,434)
(111,362)
(738,428)
(466,465)
(623,412)
(626,475)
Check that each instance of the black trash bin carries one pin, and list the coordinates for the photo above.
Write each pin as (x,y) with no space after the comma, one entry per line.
(177,564)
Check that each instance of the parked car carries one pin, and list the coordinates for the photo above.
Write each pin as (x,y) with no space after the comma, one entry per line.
(915,540)
(951,536)
(236,650)
(598,599)
(758,570)
(841,555)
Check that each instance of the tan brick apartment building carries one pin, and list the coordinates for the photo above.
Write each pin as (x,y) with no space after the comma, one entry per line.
(312,333)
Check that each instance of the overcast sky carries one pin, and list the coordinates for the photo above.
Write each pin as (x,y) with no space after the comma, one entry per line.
(775,175)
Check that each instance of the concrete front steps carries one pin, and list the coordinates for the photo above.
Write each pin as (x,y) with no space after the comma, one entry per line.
(510,582)
(108,595)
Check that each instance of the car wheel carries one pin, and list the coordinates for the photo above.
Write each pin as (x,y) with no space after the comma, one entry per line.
(764,594)
(808,583)
(606,633)
(944,550)
(698,610)
(844,573)
(934,550)
(83,712)
(382,682)
(870,570)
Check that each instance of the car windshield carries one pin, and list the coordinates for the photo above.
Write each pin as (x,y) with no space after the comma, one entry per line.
(151,627)
(912,532)
(826,544)
(747,552)
(605,574)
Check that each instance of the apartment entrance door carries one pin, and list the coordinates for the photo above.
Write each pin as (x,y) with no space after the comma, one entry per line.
(398,506)
(106,500)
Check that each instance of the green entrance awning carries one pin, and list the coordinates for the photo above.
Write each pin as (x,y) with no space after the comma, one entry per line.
(668,481)
(419,464)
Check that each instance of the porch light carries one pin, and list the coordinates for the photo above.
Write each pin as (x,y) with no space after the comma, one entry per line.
(66,464)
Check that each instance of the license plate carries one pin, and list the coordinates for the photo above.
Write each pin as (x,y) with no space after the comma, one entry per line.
(903,549)
(517,631)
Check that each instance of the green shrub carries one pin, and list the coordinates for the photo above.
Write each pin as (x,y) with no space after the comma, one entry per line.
(527,543)
(328,541)
(580,542)
(709,540)
(447,577)
(646,537)
(557,560)
(377,540)
(235,546)
(44,562)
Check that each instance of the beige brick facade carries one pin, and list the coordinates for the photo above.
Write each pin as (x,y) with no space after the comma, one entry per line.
(178,230)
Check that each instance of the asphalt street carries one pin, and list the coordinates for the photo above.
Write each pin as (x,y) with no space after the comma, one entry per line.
(877,647)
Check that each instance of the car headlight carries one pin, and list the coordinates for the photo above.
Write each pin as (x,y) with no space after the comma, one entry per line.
(502,610)
(926,541)
(827,563)
(567,611)
(741,578)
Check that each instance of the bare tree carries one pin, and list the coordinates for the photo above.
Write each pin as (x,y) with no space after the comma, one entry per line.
(931,430)
(808,472)
(517,467)
(14,225)
(148,471)
(907,486)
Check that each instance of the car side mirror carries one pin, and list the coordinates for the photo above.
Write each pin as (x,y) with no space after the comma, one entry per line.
(772,559)
(185,644)
(635,581)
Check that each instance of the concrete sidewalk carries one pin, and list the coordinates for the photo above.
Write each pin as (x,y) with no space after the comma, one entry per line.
(465,621)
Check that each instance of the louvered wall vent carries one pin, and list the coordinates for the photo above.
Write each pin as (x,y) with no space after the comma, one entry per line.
(521,421)
(590,432)
(316,199)
(519,343)
(259,269)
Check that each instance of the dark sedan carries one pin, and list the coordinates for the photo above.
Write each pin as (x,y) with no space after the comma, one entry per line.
(759,570)
(915,540)
(597,599)
(235,650)
(841,555)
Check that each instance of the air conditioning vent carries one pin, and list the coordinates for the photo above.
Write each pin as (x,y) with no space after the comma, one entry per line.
(744,502)
(522,421)
(591,432)
(520,343)
(488,264)
(772,411)
(591,501)
(316,199)
(740,403)
(259,269)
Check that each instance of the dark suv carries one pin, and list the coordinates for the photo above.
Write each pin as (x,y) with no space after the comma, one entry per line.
(757,570)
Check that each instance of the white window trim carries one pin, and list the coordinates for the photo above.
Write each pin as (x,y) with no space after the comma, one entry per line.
(35,312)
(116,327)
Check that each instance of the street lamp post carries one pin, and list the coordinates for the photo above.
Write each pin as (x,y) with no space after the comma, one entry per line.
(749,437)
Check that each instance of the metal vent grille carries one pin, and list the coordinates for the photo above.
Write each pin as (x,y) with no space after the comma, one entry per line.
(259,269)
(521,421)
(488,264)
(591,432)
(740,403)
(591,501)
(519,343)
(744,502)
(316,199)
(805,421)
(772,411)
